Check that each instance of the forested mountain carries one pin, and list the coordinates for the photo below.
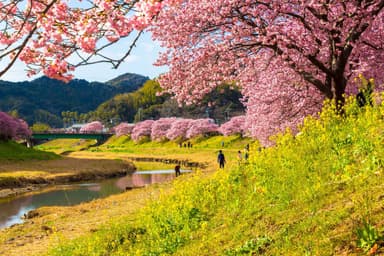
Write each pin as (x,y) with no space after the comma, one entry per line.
(221,104)
(44,99)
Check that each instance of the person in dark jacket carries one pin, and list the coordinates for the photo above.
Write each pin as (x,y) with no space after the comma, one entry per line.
(177,170)
(221,159)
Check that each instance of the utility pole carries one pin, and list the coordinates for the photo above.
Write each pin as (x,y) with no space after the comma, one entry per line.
(226,112)
(139,113)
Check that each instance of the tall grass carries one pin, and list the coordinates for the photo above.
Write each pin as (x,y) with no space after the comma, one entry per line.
(310,194)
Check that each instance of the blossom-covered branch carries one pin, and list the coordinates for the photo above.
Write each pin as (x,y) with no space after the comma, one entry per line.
(56,36)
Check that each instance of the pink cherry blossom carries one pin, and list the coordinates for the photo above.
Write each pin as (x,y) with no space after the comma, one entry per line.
(123,129)
(236,125)
(22,130)
(179,128)
(142,129)
(7,126)
(92,127)
(160,128)
(203,126)
(13,128)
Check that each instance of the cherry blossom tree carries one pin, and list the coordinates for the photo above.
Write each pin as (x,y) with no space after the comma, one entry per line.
(123,129)
(142,129)
(160,128)
(236,125)
(13,128)
(7,127)
(22,130)
(179,128)
(287,56)
(92,127)
(202,126)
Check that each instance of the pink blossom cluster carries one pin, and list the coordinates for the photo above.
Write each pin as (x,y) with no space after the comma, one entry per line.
(22,130)
(123,129)
(13,128)
(160,128)
(287,56)
(142,129)
(204,126)
(92,127)
(236,125)
(179,128)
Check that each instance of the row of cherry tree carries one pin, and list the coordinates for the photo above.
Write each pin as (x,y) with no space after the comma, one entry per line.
(172,128)
(12,128)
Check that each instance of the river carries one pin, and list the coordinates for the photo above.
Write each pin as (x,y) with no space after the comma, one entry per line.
(14,208)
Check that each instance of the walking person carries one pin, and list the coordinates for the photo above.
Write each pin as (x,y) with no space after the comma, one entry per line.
(246,156)
(221,159)
(177,170)
(246,153)
(239,156)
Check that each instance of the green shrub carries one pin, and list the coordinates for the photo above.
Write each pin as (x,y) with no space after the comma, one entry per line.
(367,236)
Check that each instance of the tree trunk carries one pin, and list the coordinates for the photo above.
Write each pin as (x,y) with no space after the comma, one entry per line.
(339,94)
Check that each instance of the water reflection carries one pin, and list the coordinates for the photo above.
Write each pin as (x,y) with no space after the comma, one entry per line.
(12,209)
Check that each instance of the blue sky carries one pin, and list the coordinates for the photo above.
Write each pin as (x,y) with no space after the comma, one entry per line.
(140,62)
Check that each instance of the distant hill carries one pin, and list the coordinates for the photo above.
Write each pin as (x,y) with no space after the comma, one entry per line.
(43,99)
(128,80)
